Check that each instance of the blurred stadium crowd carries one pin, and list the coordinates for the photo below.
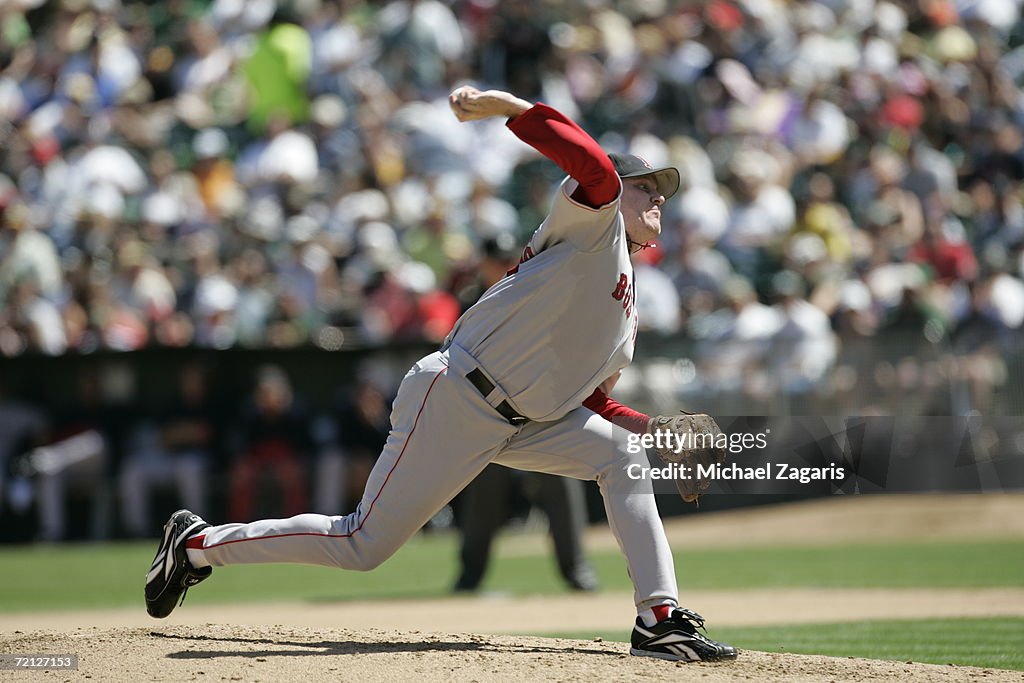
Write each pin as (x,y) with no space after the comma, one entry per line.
(220,174)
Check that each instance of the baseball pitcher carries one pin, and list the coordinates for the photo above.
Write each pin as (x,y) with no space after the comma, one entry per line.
(522,380)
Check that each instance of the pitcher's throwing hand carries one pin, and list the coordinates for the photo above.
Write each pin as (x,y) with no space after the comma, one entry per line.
(470,104)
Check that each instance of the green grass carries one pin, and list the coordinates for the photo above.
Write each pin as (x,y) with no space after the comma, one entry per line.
(112,575)
(994,642)
(881,565)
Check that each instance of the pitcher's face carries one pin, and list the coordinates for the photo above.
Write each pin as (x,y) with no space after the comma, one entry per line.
(641,208)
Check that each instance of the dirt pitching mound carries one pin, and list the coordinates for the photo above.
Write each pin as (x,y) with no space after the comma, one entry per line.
(274,653)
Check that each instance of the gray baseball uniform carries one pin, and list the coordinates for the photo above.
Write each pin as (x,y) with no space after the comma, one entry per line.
(507,387)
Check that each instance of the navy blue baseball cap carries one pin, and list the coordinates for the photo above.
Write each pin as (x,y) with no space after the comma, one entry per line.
(632,166)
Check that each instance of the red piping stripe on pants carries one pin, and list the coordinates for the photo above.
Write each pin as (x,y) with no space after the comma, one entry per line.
(372,503)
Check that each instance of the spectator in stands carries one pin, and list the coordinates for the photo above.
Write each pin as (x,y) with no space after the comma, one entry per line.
(107,105)
(803,347)
(735,341)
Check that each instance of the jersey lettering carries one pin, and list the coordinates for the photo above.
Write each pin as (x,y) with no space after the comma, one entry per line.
(624,292)
(620,288)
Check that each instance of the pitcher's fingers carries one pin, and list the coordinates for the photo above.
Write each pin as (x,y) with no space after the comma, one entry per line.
(457,109)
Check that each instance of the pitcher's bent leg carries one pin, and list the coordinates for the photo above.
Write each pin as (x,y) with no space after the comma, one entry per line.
(583,445)
(442,436)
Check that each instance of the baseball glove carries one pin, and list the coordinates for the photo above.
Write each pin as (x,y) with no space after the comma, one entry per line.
(691,440)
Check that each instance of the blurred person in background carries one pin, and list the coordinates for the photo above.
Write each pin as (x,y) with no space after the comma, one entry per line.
(274,437)
(657,298)
(214,302)
(176,448)
(277,72)
(140,283)
(30,321)
(819,214)
(803,347)
(497,256)
(26,253)
(436,309)
(989,335)
(255,296)
(486,507)
(698,271)
(878,202)
(214,173)
(23,427)
(390,306)
(434,242)
(735,341)
(76,460)
(763,212)
(361,422)
(943,247)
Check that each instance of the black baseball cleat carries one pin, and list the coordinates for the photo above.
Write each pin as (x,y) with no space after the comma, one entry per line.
(171,574)
(677,639)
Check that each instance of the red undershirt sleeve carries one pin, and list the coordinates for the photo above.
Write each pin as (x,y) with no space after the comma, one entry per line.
(613,411)
(558,138)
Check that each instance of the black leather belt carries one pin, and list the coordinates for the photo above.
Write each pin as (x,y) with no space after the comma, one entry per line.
(485,387)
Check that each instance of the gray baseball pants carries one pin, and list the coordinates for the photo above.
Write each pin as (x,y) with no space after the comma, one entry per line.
(444,432)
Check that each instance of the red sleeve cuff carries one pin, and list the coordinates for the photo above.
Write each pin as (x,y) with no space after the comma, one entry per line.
(616,413)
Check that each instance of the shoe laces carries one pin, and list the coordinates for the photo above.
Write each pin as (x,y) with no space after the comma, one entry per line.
(684,614)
